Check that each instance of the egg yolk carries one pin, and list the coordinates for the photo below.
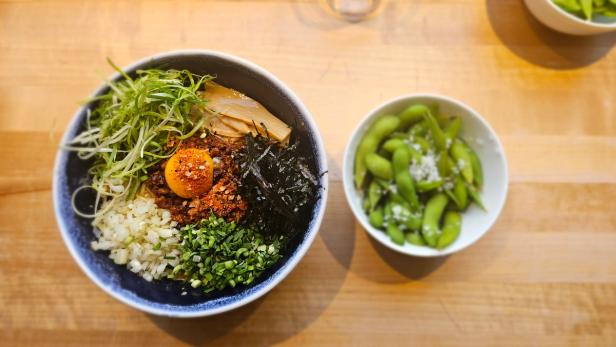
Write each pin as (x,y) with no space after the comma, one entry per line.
(190,172)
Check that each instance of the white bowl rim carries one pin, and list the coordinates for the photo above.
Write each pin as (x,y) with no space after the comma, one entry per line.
(299,253)
(589,23)
(349,189)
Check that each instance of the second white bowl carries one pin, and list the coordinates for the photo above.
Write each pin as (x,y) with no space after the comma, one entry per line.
(478,134)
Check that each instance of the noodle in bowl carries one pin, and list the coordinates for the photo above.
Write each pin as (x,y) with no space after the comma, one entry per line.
(152,248)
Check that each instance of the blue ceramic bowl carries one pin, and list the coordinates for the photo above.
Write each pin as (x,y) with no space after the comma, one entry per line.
(163,297)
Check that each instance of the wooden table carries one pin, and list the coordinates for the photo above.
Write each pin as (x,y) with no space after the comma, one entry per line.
(544,275)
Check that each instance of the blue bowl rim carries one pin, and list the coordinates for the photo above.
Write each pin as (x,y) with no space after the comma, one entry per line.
(278,276)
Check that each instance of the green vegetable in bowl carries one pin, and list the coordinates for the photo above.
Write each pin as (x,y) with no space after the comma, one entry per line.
(412,114)
(451,229)
(417,176)
(404,181)
(396,235)
(379,166)
(128,127)
(434,210)
(369,144)
(463,159)
(217,254)
(587,9)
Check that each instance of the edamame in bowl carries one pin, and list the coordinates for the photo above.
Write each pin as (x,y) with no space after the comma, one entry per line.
(425,175)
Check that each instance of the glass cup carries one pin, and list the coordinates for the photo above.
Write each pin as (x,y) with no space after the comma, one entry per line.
(354,10)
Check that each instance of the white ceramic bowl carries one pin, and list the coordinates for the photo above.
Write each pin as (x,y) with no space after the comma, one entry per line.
(547,12)
(478,134)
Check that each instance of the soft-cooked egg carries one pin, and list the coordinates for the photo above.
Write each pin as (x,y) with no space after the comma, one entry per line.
(189,172)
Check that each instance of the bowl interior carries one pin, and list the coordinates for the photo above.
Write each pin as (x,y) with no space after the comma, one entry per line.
(163,297)
(479,135)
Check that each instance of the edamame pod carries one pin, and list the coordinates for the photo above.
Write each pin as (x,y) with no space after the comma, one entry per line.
(477,169)
(459,191)
(392,144)
(411,115)
(441,118)
(572,6)
(474,194)
(414,221)
(406,187)
(387,212)
(587,6)
(401,160)
(463,159)
(374,194)
(452,166)
(369,144)
(419,129)
(432,215)
(437,133)
(395,234)
(444,164)
(415,238)
(376,218)
(425,186)
(451,196)
(379,166)
(453,128)
(366,205)
(451,229)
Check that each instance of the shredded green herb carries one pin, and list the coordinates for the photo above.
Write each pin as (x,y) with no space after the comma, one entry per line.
(278,184)
(128,128)
(217,254)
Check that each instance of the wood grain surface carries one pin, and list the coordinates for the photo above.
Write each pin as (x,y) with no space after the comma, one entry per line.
(545,275)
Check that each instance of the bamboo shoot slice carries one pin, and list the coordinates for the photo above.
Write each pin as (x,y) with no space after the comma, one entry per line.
(236,124)
(215,125)
(234,104)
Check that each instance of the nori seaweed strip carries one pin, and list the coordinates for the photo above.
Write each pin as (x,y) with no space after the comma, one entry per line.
(278,185)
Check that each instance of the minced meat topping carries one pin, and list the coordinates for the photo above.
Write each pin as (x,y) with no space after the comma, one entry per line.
(223,199)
